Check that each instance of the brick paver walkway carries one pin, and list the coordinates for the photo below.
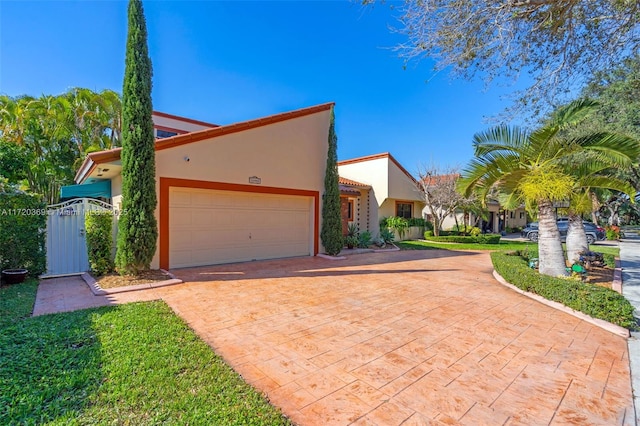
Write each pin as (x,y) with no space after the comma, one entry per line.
(425,337)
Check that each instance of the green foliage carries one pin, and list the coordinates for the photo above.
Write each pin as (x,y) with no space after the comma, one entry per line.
(464,230)
(475,239)
(14,161)
(137,227)
(16,302)
(387,236)
(428,234)
(46,138)
(398,224)
(351,241)
(114,364)
(419,222)
(612,232)
(364,239)
(99,231)
(609,260)
(23,222)
(596,301)
(331,233)
(352,230)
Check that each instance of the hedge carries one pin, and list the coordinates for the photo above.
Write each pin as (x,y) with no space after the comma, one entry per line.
(595,301)
(23,222)
(99,231)
(477,239)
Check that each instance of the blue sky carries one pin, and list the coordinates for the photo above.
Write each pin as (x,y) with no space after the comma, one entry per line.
(224,62)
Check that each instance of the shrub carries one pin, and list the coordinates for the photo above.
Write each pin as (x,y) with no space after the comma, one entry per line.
(398,224)
(364,239)
(474,239)
(99,231)
(23,221)
(387,236)
(596,301)
(331,232)
(463,230)
(612,232)
(420,222)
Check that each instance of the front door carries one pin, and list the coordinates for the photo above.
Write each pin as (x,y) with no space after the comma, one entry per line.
(344,212)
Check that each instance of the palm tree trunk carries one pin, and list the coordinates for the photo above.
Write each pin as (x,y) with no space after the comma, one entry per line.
(576,238)
(550,254)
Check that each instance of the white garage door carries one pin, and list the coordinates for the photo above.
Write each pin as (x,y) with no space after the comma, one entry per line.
(208,227)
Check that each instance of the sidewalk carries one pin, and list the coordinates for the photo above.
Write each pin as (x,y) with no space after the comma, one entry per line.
(630,262)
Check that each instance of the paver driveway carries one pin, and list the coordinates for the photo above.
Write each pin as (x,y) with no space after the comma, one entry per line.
(413,337)
(423,337)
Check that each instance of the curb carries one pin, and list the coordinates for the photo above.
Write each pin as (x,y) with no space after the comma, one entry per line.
(617,277)
(612,328)
(326,256)
(99,291)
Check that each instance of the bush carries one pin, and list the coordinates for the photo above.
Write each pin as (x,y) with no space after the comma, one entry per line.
(613,232)
(99,231)
(463,230)
(596,301)
(387,236)
(23,222)
(398,224)
(364,239)
(473,239)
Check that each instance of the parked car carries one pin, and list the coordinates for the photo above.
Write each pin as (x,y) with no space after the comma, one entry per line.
(594,232)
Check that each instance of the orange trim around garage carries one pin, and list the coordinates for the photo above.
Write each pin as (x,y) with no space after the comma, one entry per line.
(166,183)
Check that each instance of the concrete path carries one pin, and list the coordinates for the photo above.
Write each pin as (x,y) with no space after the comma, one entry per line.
(630,262)
(412,337)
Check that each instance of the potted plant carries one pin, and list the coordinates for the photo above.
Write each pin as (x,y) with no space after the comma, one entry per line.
(14,276)
(351,240)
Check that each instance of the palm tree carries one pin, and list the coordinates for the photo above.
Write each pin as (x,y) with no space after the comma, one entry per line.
(592,174)
(529,167)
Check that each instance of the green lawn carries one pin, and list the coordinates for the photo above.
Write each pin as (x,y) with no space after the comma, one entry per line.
(130,364)
(502,246)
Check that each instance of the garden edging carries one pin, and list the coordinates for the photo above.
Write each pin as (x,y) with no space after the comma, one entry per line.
(605,325)
(99,291)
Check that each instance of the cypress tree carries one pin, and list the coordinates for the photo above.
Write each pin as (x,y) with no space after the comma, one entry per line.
(331,233)
(137,227)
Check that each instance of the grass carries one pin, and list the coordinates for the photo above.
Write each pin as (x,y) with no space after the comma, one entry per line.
(131,364)
(502,246)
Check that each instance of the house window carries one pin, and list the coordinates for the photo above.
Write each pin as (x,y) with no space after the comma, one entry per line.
(164,134)
(404,210)
(511,214)
(350,211)
(521,215)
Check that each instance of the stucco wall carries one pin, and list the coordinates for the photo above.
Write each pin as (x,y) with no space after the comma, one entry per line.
(401,187)
(290,154)
(388,208)
(373,172)
(116,191)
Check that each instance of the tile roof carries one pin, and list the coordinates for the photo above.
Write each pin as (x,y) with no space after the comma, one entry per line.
(349,182)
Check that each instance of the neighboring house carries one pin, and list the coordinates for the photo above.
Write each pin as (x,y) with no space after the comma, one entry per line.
(238,192)
(375,187)
(497,221)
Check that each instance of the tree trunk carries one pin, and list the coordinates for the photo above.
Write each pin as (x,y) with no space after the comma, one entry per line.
(576,238)
(550,255)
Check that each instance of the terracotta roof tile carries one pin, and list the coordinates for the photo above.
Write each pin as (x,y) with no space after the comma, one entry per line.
(349,182)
